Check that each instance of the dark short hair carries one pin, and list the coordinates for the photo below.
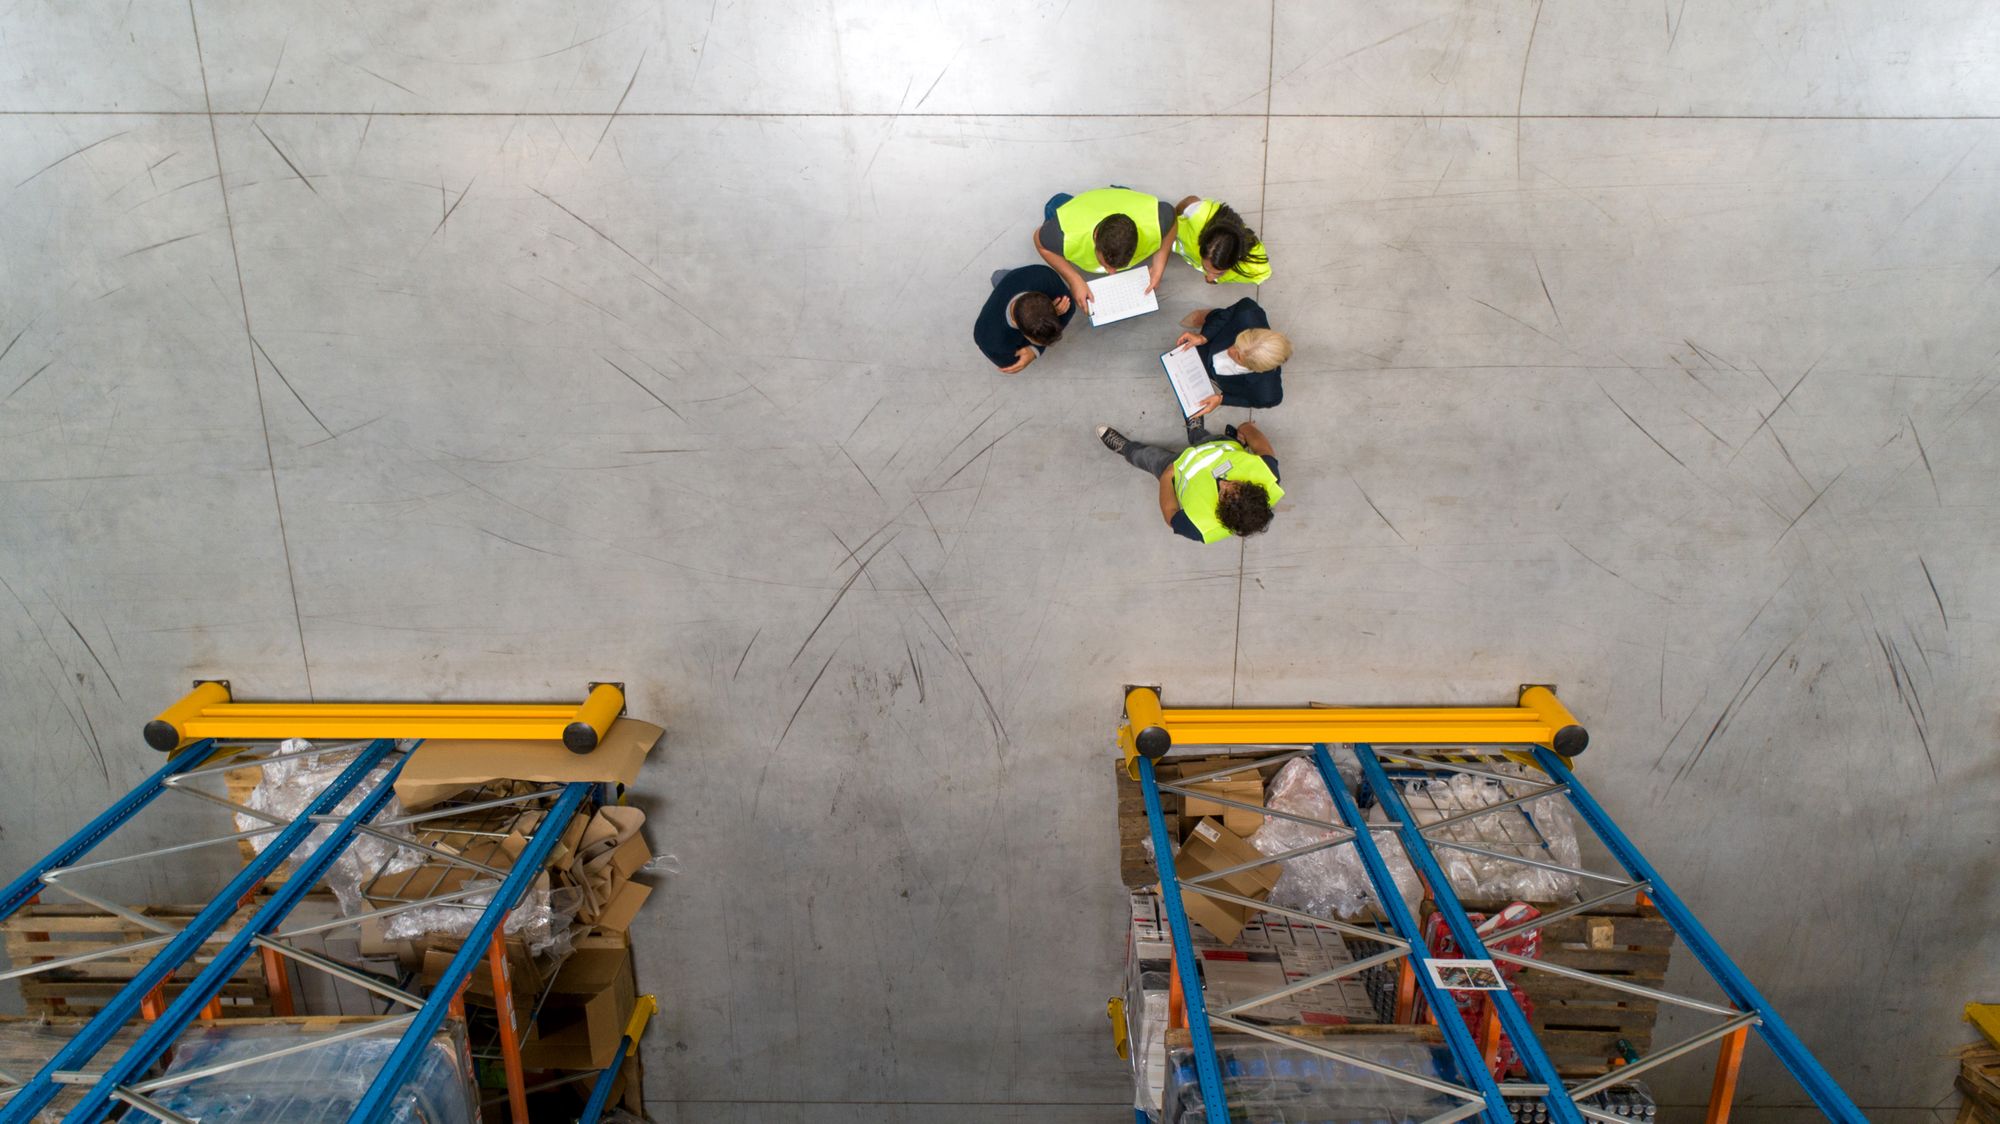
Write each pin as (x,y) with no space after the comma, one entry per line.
(1227,242)
(1035,315)
(1117,237)
(1244,509)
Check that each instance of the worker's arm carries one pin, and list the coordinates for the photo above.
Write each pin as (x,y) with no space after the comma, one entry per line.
(1183,204)
(1021,359)
(1254,440)
(1079,288)
(1157,268)
(1170,502)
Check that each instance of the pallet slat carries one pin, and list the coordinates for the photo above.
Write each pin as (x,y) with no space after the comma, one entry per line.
(41,932)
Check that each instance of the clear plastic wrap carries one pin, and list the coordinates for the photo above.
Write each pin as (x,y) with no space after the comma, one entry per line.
(291,784)
(323,1085)
(542,919)
(1329,883)
(1521,830)
(1273,1084)
(1333,882)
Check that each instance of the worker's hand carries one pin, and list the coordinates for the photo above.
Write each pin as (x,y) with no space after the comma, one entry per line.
(1208,405)
(1027,356)
(1190,339)
(1154,272)
(1063,305)
(1081,291)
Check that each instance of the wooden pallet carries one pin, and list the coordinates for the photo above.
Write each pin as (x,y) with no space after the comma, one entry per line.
(1580,1024)
(46,932)
(1979,1081)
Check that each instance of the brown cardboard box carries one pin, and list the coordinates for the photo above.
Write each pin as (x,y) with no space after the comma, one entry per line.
(623,908)
(1246,788)
(1210,847)
(443,768)
(584,1014)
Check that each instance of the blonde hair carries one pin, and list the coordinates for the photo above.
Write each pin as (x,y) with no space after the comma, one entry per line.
(1262,349)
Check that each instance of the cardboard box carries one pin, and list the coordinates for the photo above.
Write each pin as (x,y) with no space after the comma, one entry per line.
(1246,788)
(584,1014)
(444,768)
(1212,847)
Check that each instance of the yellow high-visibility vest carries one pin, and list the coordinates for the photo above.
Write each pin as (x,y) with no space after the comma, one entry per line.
(1198,470)
(1187,240)
(1079,218)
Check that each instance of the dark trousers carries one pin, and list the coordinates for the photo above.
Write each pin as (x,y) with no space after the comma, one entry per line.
(1154,460)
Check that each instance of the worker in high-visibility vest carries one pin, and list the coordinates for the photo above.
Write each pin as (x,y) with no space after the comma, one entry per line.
(1213,238)
(1213,488)
(1104,231)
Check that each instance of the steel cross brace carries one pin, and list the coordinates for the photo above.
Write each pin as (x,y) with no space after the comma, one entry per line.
(1463,1050)
(93,1036)
(20,890)
(1813,1077)
(1540,1070)
(206,986)
(389,1080)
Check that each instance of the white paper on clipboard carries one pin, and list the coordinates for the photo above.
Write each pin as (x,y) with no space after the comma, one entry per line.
(1121,296)
(1189,378)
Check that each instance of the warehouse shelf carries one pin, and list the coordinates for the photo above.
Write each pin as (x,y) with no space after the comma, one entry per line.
(1526,750)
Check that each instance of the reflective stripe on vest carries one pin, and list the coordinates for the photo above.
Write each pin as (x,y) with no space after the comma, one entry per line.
(1079,218)
(1187,242)
(1197,471)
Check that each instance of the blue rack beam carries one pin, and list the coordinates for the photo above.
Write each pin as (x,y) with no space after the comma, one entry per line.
(1540,1069)
(22,890)
(1463,1049)
(187,1006)
(1207,1069)
(93,1036)
(1811,1076)
(375,1105)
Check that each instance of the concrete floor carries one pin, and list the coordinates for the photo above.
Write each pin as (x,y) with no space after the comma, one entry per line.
(1647,350)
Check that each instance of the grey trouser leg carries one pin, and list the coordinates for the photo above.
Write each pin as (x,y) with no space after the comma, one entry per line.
(1149,459)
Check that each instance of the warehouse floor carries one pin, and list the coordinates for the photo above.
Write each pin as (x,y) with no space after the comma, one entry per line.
(1648,351)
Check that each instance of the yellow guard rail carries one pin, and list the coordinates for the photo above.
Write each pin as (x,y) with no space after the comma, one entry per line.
(209,712)
(1151,729)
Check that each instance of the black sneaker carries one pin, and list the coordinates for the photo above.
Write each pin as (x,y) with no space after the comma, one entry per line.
(1197,431)
(1113,440)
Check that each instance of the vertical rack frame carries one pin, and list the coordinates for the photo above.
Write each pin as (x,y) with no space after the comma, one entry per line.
(261,933)
(1539,734)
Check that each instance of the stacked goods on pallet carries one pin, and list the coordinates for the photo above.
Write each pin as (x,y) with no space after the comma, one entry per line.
(470,816)
(39,933)
(319,1085)
(1580,1025)
(1272,1082)
(1268,953)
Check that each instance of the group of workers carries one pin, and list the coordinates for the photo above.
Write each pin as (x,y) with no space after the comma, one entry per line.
(1212,488)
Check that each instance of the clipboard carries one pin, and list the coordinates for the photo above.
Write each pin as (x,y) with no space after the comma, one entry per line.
(1188,377)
